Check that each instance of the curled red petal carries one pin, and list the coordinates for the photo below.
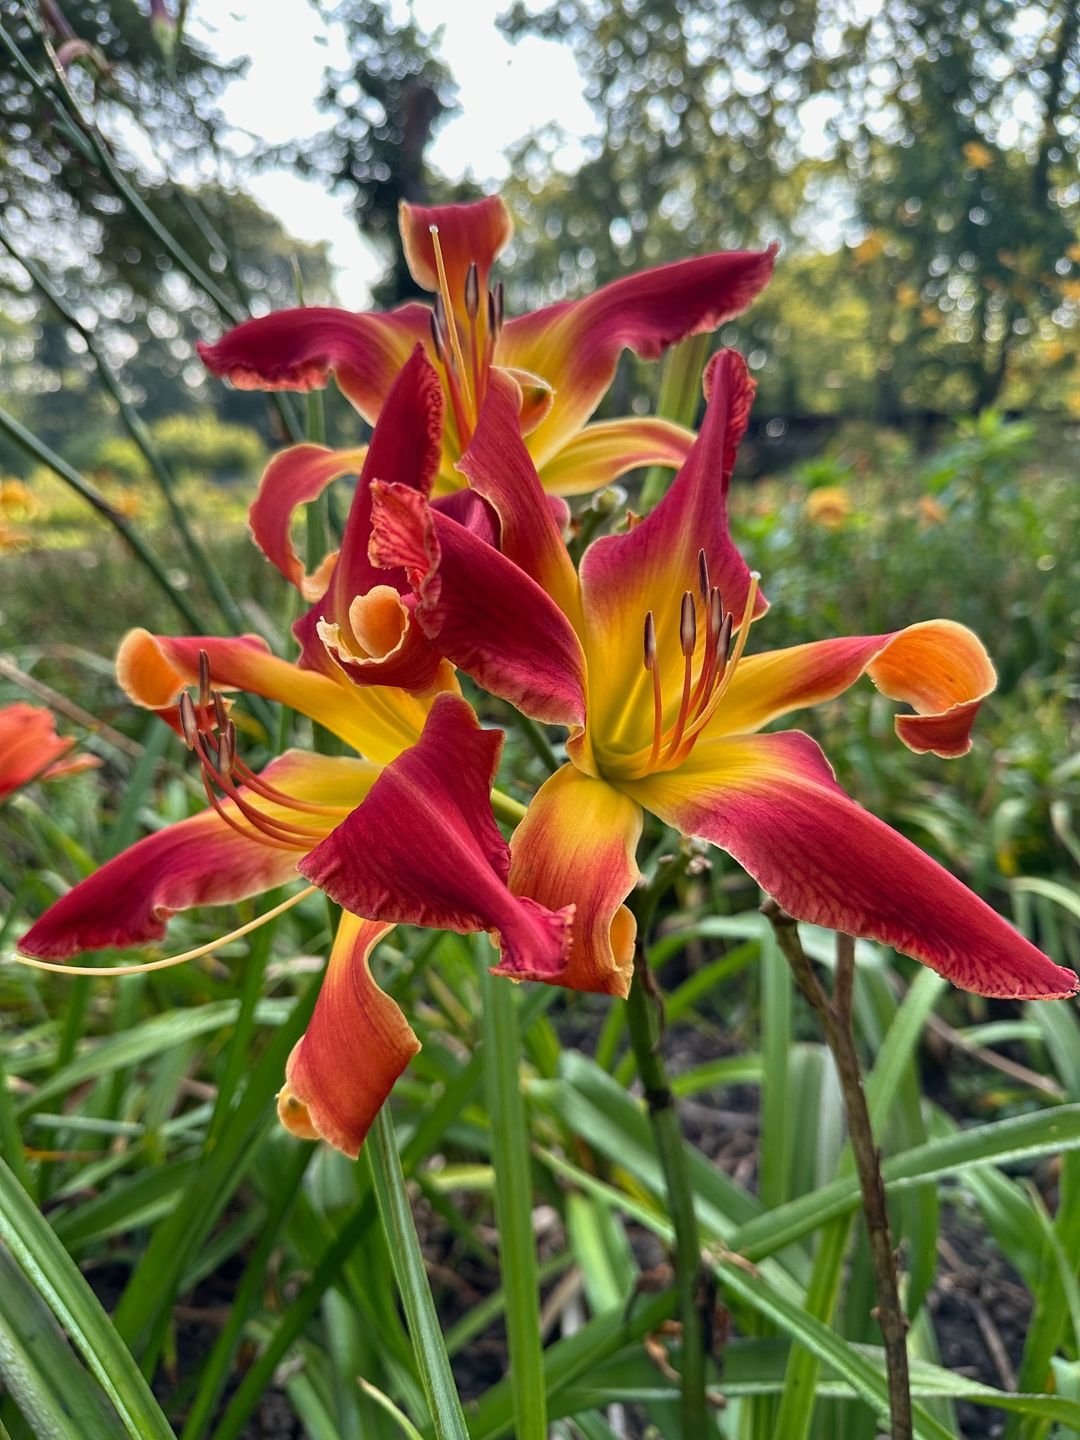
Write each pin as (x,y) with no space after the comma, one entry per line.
(357,1044)
(299,349)
(480,609)
(575,345)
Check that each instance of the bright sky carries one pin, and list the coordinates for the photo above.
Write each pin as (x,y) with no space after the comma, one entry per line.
(505,92)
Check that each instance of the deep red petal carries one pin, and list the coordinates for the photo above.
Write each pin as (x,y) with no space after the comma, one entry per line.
(499,467)
(772,802)
(299,349)
(575,346)
(424,849)
(295,477)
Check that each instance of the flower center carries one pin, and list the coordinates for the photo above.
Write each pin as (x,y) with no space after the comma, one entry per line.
(259,811)
(709,663)
(465,346)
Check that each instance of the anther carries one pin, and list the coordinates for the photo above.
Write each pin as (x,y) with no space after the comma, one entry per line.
(688,624)
(723,642)
(492,323)
(189,721)
(650,641)
(472,292)
(221,714)
(204,678)
(716,611)
(436,339)
(499,298)
(703,576)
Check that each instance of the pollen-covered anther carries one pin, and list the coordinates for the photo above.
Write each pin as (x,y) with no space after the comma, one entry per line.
(189,721)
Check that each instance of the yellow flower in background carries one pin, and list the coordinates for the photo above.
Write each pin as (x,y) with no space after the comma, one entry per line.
(829,506)
(907,296)
(1073,252)
(977,156)
(16,498)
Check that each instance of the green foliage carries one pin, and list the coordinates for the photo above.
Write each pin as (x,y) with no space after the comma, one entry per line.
(196,446)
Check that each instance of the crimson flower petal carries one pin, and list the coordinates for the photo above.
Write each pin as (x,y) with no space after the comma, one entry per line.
(424,849)
(299,349)
(295,477)
(773,803)
(575,345)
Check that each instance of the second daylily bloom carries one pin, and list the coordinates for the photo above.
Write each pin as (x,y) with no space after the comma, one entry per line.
(642,657)
(30,748)
(563,356)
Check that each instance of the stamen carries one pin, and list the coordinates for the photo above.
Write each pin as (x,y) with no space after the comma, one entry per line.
(455,340)
(500,296)
(688,640)
(436,338)
(658,701)
(189,721)
(688,624)
(472,292)
(204,679)
(59,968)
(703,577)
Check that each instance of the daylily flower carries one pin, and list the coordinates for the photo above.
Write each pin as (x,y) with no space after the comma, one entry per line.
(642,656)
(259,826)
(563,356)
(30,748)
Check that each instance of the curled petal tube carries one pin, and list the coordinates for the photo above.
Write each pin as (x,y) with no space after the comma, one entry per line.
(576,847)
(424,849)
(357,1044)
(481,610)
(937,666)
(771,801)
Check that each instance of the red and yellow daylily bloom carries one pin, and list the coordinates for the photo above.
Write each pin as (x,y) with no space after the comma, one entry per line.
(261,828)
(642,656)
(30,748)
(563,357)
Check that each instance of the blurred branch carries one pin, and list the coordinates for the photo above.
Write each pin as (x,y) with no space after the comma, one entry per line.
(835,1016)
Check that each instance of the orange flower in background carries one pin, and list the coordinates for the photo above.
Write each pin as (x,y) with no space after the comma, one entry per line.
(30,748)
(828,506)
(562,357)
(931,512)
(977,156)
